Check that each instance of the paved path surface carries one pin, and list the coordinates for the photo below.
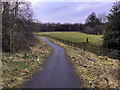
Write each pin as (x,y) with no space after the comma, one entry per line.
(57,73)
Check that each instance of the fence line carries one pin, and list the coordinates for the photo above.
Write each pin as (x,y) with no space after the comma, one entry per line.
(87,46)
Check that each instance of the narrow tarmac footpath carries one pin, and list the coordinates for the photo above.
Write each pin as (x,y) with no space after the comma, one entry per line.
(57,73)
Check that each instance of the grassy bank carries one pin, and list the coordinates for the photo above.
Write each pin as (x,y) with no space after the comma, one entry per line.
(19,67)
(95,71)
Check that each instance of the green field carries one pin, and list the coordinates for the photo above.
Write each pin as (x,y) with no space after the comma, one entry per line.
(78,39)
(75,37)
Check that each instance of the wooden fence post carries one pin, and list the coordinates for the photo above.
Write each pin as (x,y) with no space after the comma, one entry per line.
(87,40)
(86,44)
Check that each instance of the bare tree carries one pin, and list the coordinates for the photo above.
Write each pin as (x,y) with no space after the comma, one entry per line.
(16,16)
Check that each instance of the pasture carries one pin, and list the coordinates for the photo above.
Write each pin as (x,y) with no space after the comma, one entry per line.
(75,37)
(78,39)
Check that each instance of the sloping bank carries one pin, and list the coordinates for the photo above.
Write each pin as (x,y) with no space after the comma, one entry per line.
(95,71)
(19,67)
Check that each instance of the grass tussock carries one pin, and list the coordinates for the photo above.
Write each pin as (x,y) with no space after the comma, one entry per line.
(95,71)
(19,67)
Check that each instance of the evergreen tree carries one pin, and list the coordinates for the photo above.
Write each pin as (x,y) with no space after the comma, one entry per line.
(112,29)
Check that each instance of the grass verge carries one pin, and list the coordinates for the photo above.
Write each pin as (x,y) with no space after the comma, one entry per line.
(19,67)
(95,71)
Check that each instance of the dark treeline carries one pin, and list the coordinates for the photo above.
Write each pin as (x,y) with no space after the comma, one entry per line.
(93,25)
(50,27)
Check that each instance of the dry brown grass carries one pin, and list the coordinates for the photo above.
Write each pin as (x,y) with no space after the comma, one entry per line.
(19,67)
(95,71)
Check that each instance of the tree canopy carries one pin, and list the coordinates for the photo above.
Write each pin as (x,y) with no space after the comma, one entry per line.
(92,19)
(112,30)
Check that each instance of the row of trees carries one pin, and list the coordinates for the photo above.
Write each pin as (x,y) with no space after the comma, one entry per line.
(16,26)
(50,27)
(93,25)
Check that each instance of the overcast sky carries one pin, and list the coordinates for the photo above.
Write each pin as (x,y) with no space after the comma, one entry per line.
(68,12)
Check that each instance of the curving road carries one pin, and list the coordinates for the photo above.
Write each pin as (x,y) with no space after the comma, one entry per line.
(57,73)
